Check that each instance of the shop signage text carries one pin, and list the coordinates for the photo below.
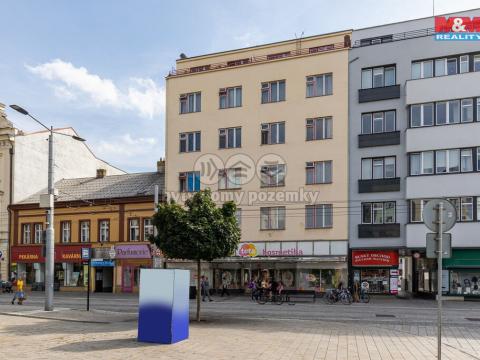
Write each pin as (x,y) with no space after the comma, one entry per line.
(247,250)
(283,252)
(458,28)
(374,258)
(140,251)
(27,254)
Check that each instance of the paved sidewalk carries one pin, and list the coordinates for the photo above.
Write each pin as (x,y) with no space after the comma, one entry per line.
(27,337)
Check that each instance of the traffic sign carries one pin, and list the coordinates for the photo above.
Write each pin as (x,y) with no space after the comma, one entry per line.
(449,216)
(432,246)
(85,253)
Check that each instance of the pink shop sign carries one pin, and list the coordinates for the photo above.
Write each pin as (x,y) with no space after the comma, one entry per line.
(141,251)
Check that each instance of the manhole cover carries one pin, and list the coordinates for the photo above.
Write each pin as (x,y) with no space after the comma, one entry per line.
(385,315)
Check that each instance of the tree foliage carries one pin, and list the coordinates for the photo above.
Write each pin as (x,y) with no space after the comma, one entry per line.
(198,231)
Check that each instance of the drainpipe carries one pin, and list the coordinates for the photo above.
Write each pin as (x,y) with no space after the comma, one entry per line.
(11,187)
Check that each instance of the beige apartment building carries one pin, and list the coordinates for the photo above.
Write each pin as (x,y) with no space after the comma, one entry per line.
(267,127)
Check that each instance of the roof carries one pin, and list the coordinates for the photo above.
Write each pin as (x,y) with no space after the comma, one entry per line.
(108,187)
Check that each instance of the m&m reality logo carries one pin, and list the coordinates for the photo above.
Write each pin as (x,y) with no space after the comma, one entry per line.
(247,250)
(457,28)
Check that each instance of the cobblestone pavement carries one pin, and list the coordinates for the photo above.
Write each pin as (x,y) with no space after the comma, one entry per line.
(25,337)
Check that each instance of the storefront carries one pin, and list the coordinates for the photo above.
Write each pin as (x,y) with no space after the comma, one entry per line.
(377,267)
(103,266)
(300,265)
(29,262)
(69,271)
(129,260)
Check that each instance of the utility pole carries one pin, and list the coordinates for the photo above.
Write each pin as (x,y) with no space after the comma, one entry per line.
(50,248)
(439,278)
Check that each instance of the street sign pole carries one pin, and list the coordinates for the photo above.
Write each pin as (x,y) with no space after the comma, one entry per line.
(439,278)
(88,283)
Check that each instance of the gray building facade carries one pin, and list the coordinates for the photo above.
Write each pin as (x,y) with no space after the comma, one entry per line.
(414,134)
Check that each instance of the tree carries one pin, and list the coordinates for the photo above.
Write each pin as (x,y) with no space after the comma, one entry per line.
(199,231)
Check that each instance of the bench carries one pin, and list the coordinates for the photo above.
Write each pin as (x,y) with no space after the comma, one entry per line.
(300,295)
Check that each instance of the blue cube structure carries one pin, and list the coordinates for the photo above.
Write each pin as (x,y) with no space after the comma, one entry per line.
(163,305)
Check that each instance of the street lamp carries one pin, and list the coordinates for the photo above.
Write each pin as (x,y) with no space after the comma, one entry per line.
(50,242)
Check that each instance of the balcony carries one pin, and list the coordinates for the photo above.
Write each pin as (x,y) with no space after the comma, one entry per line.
(442,185)
(464,234)
(378,230)
(378,185)
(380,93)
(442,88)
(443,137)
(379,139)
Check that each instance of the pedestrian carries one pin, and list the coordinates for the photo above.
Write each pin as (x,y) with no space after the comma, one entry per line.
(202,287)
(225,284)
(356,291)
(206,289)
(19,294)
(252,285)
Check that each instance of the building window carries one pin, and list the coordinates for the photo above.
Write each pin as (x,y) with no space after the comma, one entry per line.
(447,161)
(190,103)
(230,97)
(478,159)
(26,231)
(273,133)
(421,115)
(466,209)
(272,175)
(104,230)
(272,218)
(416,210)
(466,160)
(421,163)
(133,230)
(476,63)
(189,181)
(318,216)
(467,110)
(378,77)
(66,228)
(378,212)
(478,208)
(148,230)
(230,138)
(378,122)
(190,142)
(38,238)
(273,91)
(319,128)
(319,172)
(84,231)
(229,178)
(422,69)
(448,112)
(319,85)
(464,64)
(238,216)
(378,168)
(445,66)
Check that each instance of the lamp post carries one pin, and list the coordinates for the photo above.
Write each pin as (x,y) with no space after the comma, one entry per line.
(50,242)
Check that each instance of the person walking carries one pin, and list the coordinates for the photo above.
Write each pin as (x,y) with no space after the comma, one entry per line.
(206,289)
(225,284)
(19,294)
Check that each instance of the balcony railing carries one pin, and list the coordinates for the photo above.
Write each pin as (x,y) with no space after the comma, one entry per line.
(262,58)
(394,37)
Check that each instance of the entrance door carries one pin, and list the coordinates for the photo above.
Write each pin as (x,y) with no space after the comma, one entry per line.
(98,280)
(127,279)
(107,279)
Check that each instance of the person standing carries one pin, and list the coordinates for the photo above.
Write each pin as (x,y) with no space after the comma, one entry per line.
(206,289)
(202,287)
(19,294)
(225,284)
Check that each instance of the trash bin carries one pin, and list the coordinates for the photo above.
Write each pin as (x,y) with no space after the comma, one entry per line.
(193,292)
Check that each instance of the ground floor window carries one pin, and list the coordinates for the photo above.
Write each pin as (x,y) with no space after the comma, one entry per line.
(426,275)
(378,280)
(69,274)
(464,282)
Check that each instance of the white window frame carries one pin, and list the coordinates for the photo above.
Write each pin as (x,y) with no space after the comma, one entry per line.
(38,231)
(148,228)
(223,132)
(104,231)
(422,114)
(314,79)
(422,69)
(237,100)
(267,87)
(84,231)
(66,229)
(274,174)
(275,217)
(270,128)
(134,229)
(230,178)
(326,123)
(422,205)
(476,62)
(447,160)
(380,160)
(463,105)
(185,137)
(447,114)
(326,220)
(422,156)
(185,98)
(323,164)
(464,59)
(444,60)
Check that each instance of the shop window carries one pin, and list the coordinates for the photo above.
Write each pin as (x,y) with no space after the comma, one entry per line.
(464,282)
(134,229)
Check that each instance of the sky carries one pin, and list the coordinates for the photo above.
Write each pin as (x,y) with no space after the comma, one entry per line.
(100,66)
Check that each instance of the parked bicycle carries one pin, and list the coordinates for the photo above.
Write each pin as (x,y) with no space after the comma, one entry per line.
(266,296)
(364,297)
(343,296)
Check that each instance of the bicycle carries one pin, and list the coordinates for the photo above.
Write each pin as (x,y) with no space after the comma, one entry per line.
(364,297)
(265,297)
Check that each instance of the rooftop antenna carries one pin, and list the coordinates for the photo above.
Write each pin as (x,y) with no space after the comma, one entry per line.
(299,40)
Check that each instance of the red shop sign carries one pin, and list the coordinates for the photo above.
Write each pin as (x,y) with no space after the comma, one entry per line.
(27,254)
(68,253)
(374,258)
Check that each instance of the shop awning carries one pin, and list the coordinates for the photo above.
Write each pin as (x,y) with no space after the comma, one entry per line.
(463,258)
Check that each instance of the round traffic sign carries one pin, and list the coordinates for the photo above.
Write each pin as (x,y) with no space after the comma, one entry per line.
(430,214)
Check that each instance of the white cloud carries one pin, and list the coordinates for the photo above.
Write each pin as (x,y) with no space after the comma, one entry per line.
(126,145)
(249,38)
(69,82)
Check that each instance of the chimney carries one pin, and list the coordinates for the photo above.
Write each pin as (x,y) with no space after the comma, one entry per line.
(347,42)
(101,173)
(161,165)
